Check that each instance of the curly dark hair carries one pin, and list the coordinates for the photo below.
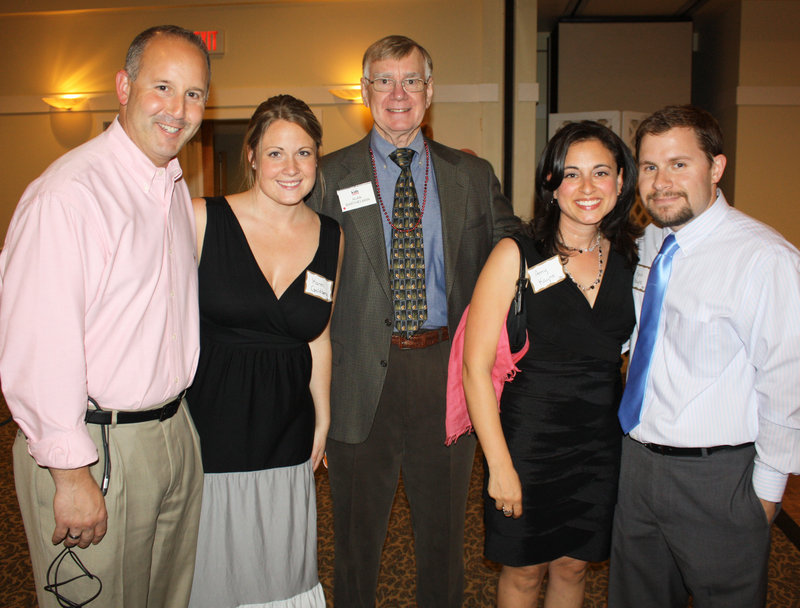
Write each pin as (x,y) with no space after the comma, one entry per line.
(617,226)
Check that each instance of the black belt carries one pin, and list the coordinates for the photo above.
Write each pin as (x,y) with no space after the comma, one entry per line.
(161,413)
(667,450)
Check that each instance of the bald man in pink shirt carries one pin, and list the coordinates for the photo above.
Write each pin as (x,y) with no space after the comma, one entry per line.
(98,311)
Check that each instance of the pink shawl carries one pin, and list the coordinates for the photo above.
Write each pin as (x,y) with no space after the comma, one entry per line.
(457,420)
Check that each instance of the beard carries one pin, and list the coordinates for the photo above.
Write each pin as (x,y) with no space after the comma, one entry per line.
(669,217)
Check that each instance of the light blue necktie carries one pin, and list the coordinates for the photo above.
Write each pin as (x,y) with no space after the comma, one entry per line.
(630,408)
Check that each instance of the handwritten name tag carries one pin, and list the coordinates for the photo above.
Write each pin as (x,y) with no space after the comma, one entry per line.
(546,274)
(640,277)
(318,286)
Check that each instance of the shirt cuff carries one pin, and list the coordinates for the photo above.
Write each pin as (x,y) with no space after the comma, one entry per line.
(64,451)
(768,483)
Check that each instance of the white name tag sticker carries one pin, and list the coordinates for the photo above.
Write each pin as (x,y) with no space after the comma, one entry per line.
(640,277)
(355,197)
(546,274)
(318,286)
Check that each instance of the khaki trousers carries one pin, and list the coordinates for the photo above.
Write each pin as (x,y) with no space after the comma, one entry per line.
(146,559)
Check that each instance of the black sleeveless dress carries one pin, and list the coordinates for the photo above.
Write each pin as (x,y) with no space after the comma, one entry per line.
(254,413)
(559,418)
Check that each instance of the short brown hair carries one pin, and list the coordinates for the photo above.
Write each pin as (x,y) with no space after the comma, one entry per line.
(133,58)
(279,107)
(394,47)
(705,127)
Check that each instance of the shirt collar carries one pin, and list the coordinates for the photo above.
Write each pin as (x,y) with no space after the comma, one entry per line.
(136,161)
(695,232)
(382,148)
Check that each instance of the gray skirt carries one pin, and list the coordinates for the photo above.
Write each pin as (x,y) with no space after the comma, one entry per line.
(258,541)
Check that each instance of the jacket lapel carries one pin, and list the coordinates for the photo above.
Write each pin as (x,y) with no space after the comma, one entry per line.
(452,187)
(367,221)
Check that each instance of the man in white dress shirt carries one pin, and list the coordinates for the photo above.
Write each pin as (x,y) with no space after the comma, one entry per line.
(707,456)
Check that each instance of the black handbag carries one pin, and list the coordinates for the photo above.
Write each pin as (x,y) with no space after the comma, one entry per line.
(517,320)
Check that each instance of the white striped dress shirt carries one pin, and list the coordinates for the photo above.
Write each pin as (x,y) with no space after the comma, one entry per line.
(726,363)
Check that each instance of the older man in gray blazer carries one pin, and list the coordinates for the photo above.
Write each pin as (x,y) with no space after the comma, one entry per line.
(391,325)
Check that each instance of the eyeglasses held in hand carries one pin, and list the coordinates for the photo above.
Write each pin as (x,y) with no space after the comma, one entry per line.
(57,587)
(410,85)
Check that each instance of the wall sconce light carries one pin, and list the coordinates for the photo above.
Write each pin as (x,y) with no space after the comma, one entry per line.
(66,101)
(348,92)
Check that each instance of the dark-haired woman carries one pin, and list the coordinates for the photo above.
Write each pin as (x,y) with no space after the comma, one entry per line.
(552,453)
(260,400)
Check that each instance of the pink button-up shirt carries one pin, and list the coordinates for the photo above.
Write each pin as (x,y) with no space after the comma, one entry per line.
(98,294)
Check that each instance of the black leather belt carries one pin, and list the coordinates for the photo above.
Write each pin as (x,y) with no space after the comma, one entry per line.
(421,339)
(106,417)
(666,450)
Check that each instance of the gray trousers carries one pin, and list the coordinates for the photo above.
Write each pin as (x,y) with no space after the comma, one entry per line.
(688,526)
(407,435)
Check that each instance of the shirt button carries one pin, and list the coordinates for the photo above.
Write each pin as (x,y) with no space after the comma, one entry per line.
(387,322)
(383,363)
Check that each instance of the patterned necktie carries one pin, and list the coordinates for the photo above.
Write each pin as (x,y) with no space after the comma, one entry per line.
(630,408)
(408,256)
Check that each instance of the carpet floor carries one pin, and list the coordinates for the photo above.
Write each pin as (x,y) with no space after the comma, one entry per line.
(396,586)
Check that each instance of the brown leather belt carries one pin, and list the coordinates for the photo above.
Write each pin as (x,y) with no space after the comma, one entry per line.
(421,339)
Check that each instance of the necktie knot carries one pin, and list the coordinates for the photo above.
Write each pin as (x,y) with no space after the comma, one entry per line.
(402,156)
(669,246)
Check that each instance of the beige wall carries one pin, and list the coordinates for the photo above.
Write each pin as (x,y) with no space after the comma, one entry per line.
(623,66)
(301,48)
(768,128)
(527,97)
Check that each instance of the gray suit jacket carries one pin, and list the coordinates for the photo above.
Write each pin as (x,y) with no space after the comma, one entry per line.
(475,214)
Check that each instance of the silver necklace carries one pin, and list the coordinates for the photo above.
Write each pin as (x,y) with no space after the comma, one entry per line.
(592,247)
(564,259)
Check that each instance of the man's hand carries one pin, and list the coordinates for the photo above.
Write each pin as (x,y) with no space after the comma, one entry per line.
(79,507)
(769,509)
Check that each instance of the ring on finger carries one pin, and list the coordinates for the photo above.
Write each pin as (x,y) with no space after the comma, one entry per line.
(507,511)
(73,537)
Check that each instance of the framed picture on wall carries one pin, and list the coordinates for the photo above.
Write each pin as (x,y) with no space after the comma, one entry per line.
(623,122)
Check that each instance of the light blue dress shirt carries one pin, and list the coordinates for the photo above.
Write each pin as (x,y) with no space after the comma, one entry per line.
(387,172)
(726,363)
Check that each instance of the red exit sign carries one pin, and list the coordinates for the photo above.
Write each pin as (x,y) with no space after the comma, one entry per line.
(214,40)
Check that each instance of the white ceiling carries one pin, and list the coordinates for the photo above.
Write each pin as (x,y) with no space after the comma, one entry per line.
(551,10)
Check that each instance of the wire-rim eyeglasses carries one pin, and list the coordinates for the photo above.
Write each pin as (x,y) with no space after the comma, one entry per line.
(55,586)
(410,85)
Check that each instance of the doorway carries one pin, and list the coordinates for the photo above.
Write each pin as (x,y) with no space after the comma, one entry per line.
(211,160)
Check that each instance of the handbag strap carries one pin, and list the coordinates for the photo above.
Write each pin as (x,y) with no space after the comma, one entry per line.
(522,280)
